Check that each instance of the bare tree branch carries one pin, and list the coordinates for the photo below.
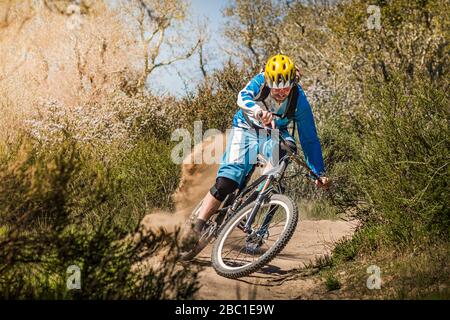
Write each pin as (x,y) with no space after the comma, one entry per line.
(155,51)
(182,57)
(201,59)
(154,18)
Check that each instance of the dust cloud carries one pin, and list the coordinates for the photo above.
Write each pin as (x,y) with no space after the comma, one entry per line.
(196,180)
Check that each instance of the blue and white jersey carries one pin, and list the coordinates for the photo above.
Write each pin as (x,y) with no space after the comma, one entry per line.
(307,132)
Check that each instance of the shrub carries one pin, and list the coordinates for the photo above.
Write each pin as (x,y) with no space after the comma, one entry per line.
(332,283)
(400,168)
(148,177)
(215,100)
(402,165)
(57,210)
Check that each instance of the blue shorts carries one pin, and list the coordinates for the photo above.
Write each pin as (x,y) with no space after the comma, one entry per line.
(243,147)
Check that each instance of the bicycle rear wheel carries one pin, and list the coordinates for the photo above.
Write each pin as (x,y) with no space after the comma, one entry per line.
(195,245)
(237,253)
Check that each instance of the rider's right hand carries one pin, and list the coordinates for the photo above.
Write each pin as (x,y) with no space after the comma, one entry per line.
(267,118)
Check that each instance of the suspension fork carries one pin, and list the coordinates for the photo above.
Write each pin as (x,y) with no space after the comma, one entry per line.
(259,200)
(273,208)
(267,220)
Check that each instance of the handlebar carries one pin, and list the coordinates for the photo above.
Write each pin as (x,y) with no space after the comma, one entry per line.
(292,154)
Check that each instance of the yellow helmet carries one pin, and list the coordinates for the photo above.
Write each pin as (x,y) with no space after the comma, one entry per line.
(280,72)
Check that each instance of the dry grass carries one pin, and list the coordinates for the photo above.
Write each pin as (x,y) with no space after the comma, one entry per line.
(45,59)
(412,274)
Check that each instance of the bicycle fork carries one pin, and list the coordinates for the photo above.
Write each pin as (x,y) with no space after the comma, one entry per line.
(259,200)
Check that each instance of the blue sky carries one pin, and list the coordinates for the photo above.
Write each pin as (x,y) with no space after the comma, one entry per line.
(172,79)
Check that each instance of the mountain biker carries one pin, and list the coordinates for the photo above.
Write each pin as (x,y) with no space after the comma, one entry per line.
(275,90)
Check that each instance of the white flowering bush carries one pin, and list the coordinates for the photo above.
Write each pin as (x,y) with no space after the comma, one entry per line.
(120,120)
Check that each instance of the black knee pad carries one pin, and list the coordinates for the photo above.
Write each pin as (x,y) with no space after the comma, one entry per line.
(223,187)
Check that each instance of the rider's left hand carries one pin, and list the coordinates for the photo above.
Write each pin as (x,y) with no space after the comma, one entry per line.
(323,182)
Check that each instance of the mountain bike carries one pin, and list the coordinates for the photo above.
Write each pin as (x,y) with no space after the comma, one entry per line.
(254,223)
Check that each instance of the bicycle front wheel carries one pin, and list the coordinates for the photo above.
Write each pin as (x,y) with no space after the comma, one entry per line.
(237,253)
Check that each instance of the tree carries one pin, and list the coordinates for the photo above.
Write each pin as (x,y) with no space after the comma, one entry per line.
(253,26)
(154,20)
(412,38)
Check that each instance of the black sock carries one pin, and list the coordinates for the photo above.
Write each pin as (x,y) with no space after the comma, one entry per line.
(199,224)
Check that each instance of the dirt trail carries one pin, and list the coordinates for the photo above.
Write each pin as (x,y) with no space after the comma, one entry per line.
(276,280)
(311,240)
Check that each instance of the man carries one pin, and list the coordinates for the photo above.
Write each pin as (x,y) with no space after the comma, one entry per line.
(273,91)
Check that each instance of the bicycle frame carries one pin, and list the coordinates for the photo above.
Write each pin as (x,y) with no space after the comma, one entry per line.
(234,202)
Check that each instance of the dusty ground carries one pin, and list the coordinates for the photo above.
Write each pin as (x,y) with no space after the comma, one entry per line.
(277,280)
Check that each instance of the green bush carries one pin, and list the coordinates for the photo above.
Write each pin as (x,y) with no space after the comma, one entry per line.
(147,177)
(35,266)
(58,207)
(332,283)
(215,100)
(402,166)
(400,169)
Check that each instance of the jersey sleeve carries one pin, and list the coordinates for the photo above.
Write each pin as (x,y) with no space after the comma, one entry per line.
(246,97)
(307,133)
